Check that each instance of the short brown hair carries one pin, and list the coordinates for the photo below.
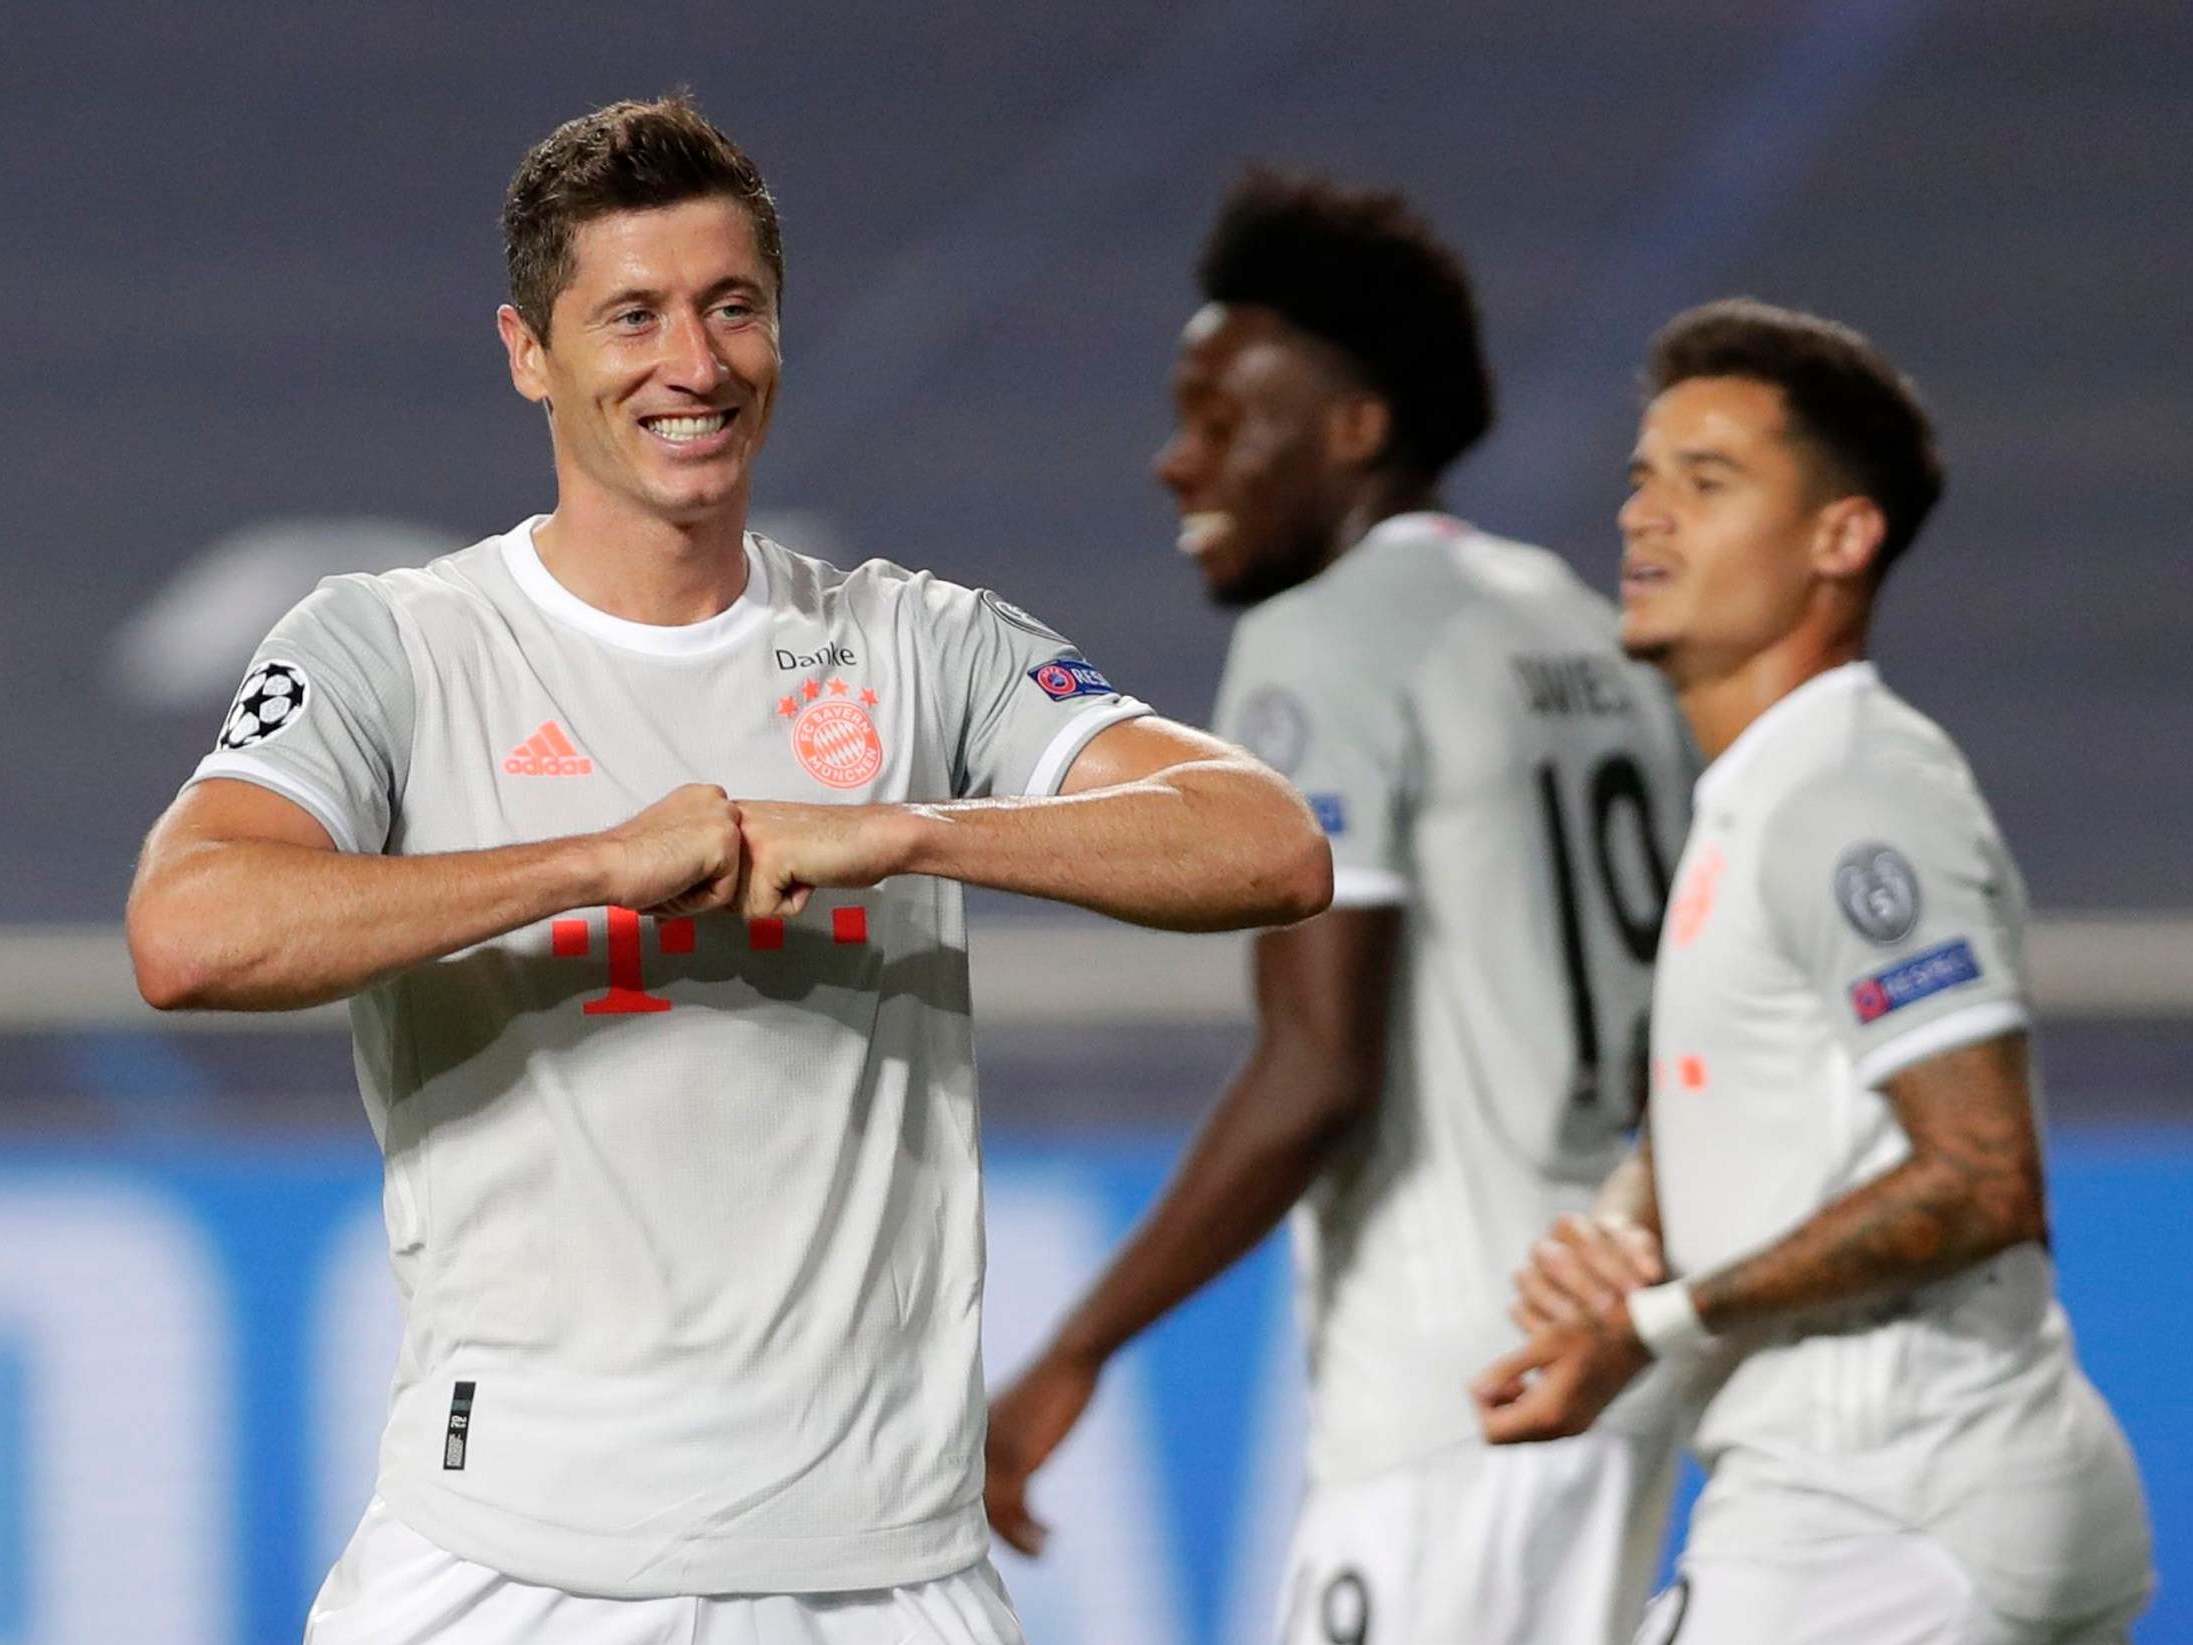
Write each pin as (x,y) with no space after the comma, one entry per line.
(1845,399)
(626,157)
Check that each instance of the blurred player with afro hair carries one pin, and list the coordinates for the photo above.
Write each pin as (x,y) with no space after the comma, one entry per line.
(1445,1061)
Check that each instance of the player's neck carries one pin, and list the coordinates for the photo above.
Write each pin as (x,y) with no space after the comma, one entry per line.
(1721,703)
(1381,500)
(641,567)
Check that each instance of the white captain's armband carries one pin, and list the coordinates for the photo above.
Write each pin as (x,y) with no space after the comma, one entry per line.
(1666,1320)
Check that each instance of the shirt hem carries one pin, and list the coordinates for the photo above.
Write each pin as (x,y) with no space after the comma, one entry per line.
(1450,1446)
(610,1567)
(1351,1459)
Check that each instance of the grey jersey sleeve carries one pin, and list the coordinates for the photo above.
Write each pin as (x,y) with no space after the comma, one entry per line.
(1893,894)
(1021,702)
(324,715)
(1340,734)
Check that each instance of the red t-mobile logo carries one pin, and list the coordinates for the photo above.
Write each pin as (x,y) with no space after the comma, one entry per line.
(573,939)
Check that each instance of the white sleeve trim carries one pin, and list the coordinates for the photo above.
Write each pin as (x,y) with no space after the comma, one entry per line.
(1072,738)
(1983,1021)
(309,795)
(1367,887)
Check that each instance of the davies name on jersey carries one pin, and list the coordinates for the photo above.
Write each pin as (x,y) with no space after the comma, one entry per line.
(1573,683)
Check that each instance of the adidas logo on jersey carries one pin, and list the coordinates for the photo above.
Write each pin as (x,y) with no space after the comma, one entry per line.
(547,753)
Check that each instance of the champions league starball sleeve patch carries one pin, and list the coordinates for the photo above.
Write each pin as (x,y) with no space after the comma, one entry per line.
(270,701)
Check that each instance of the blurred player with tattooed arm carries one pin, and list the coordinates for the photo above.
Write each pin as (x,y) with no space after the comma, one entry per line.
(1843,1155)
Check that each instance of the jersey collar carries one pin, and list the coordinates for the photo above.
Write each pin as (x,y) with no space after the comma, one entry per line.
(1417,522)
(710,635)
(1834,685)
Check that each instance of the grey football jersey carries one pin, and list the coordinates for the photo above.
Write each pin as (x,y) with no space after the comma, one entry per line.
(685,1214)
(1479,752)
(1846,908)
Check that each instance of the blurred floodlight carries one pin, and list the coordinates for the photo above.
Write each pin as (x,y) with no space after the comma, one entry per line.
(186,647)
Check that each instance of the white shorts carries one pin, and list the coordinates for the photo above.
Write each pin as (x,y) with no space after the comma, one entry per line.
(393,1587)
(1883,1588)
(1553,1544)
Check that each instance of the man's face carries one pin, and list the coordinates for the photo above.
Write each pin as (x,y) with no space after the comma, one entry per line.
(661,368)
(1248,461)
(1720,527)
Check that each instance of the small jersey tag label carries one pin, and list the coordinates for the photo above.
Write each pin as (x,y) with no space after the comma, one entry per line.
(1913,980)
(460,1427)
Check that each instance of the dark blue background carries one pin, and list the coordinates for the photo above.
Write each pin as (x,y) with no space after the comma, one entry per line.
(251,259)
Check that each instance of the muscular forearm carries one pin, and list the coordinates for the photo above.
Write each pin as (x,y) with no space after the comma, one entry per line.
(257,925)
(1272,1132)
(1209,846)
(1922,1221)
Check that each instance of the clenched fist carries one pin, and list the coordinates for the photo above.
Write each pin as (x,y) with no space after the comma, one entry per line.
(679,856)
(791,849)
(1584,1267)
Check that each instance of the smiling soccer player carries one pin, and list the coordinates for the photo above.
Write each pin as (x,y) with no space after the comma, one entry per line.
(684,1206)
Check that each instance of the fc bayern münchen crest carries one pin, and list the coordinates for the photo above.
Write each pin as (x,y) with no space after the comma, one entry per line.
(270,701)
(834,734)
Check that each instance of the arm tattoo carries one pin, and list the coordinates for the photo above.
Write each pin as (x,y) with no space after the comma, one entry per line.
(1972,1187)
